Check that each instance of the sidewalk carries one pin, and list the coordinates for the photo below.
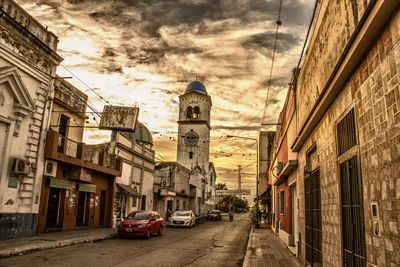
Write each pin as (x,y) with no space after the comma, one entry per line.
(24,245)
(266,249)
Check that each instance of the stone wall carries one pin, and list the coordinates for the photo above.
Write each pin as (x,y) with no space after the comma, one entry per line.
(374,92)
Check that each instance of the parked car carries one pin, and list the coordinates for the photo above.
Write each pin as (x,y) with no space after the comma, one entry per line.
(183,218)
(141,222)
(214,215)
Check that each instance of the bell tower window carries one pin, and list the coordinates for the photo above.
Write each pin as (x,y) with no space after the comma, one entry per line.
(196,112)
(189,112)
(190,155)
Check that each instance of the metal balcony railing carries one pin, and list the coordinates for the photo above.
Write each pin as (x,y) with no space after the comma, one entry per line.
(68,147)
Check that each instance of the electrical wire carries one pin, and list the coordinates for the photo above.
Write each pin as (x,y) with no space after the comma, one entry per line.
(278,23)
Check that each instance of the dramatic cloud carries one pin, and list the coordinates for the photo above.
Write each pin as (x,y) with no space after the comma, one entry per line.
(145,52)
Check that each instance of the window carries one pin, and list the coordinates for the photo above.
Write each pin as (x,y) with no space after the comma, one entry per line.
(64,120)
(353,226)
(346,133)
(189,112)
(190,155)
(134,202)
(184,205)
(283,202)
(196,112)
(177,204)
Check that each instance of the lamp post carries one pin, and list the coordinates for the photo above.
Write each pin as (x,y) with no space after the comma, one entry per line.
(255,139)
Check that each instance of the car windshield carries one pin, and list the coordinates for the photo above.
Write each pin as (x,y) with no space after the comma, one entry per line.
(138,215)
(181,213)
(214,212)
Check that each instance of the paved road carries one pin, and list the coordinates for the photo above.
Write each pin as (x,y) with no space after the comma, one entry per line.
(210,244)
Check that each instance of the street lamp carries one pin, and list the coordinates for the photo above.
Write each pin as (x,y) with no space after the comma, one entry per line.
(255,139)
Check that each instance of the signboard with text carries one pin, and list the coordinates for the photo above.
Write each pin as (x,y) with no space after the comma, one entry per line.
(232,192)
(119,118)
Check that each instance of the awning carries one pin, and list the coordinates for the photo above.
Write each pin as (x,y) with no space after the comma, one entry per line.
(266,194)
(61,183)
(286,171)
(129,189)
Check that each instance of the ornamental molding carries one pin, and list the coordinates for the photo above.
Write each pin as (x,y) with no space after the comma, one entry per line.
(23,103)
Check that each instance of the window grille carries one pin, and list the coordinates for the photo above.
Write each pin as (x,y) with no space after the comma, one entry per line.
(354,253)
(353,227)
(313,219)
(346,133)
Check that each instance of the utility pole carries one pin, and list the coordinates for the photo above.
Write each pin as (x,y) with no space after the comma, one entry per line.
(239,179)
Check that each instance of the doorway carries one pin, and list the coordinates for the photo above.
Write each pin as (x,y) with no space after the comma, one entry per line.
(102,219)
(52,219)
(143,202)
(82,209)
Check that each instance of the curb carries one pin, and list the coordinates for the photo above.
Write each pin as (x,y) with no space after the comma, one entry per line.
(246,257)
(23,249)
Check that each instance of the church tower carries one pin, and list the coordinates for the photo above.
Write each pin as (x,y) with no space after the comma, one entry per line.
(194,128)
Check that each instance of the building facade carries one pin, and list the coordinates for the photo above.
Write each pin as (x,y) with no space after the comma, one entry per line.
(284,172)
(171,187)
(134,187)
(347,98)
(77,189)
(28,62)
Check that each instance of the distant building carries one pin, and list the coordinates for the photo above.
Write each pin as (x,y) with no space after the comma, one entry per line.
(28,62)
(171,187)
(77,189)
(194,145)
(282,172)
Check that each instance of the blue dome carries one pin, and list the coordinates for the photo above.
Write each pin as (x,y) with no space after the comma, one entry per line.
(196,85)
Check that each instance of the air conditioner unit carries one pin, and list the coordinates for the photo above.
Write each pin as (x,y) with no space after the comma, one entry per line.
(50,168)
(20,166)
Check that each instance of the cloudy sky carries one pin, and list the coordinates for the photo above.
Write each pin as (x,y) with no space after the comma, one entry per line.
(145,52)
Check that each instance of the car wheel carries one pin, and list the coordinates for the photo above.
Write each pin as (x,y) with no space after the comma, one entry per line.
(160,231)
(148,233)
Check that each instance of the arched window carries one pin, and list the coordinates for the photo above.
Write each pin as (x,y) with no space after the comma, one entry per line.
(196,112)
(189,112)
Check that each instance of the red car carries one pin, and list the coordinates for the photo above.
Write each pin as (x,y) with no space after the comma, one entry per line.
(141,222)
(214,215)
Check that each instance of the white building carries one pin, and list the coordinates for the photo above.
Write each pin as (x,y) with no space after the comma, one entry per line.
(134,189)
(194,145)
(28,62)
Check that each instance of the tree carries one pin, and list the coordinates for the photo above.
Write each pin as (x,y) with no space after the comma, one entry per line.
(221,186)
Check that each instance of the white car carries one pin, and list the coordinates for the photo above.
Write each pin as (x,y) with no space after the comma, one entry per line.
(183,218)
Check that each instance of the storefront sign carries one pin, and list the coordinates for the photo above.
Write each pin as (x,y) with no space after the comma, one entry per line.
(87,188)
(13,182)
(61,183)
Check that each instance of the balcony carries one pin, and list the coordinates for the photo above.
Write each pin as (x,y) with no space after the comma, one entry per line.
(75,153)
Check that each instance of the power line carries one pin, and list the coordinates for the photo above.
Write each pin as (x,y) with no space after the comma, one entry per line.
(278,23)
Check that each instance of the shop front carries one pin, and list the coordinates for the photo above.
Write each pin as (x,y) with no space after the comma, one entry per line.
(68,204)
(126,200)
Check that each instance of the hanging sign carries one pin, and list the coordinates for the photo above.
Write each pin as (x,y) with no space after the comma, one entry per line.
(119,118)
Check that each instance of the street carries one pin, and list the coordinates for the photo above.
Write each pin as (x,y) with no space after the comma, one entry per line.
(210,244)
